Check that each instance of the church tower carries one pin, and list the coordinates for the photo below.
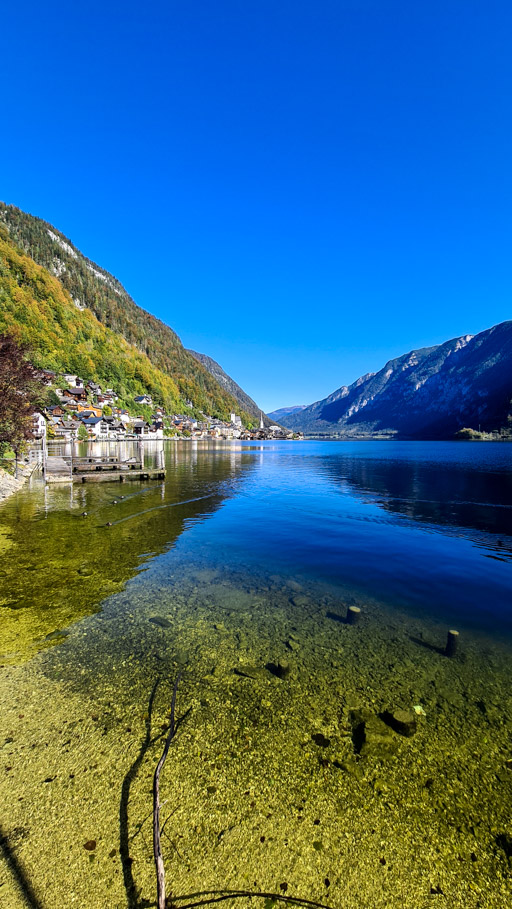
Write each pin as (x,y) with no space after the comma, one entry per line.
(262,425)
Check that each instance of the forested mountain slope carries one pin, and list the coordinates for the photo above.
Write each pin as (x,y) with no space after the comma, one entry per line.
(169,369)
(244,401)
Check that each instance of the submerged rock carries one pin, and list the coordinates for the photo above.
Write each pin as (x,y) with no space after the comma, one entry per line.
(402,721)
(371,736)
(161,621)
(379,740)
(349,766)
(301,600)
(54,635)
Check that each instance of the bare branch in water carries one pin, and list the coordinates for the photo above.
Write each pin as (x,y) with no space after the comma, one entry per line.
(219,896)
(203,897)
(157,849)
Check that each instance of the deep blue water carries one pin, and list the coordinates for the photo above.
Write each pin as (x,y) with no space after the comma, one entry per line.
(425,526)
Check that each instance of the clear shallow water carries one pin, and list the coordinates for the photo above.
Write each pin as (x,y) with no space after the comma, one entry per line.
(247,558)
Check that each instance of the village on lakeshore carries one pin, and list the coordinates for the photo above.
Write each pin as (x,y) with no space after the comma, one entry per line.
(86,412)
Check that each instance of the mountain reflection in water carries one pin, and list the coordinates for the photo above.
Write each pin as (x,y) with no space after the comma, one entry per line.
(434,492)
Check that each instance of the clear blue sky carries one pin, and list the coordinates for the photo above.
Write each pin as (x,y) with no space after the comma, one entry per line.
(302,190)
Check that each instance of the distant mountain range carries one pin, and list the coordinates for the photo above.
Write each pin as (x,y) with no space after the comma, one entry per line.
(425,394)
(276,415)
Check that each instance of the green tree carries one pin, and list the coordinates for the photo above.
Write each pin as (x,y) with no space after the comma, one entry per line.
(107,410)
(82,434)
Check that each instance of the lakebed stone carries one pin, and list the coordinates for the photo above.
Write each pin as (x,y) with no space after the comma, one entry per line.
(371,736)
(379,740)
(402,721)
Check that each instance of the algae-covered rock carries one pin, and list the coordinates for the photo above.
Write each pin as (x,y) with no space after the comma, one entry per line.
(160,621)
(371,736)
(350,767)
(402,721)
(249,671)
(300,600)
(379,740)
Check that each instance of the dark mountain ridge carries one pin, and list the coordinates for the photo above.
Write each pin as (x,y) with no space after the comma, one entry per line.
(429,393)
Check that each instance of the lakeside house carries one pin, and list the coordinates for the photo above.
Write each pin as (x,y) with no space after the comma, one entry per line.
(66,429)
(76,394)
(38,425)
(75,409)
(72,380)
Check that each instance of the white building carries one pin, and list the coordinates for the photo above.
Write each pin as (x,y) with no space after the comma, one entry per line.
(38,425)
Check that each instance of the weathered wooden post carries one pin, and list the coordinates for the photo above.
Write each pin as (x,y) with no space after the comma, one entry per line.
(353,615)
(451,643)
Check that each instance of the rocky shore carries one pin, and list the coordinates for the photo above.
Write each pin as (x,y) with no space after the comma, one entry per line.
(9,484)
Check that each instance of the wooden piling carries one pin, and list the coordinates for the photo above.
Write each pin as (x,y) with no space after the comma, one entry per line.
(451,643)
(353,615)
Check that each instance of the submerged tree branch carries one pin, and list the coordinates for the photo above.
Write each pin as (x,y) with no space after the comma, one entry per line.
(157,849)
(219,896)
(202,897)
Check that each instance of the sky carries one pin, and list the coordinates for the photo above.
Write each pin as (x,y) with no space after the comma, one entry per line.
(301,190)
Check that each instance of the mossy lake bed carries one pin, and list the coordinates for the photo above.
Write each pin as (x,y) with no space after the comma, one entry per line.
(287,774)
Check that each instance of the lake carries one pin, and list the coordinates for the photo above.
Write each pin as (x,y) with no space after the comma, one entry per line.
(290,773)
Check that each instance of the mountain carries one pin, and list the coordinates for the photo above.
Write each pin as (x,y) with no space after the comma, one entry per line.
(244,401)
(77,317)
(276,415)
(425,394)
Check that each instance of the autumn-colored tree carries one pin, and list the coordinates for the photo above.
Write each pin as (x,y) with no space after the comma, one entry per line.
(21,392)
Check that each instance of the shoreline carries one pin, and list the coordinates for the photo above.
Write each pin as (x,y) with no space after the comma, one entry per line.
(9,484)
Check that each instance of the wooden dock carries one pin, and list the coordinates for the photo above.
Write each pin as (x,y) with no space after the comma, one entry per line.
(120,476)
(57,471)
(98,470)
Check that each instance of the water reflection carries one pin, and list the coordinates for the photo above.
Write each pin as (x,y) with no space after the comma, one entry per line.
(451,495)
(67,547)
